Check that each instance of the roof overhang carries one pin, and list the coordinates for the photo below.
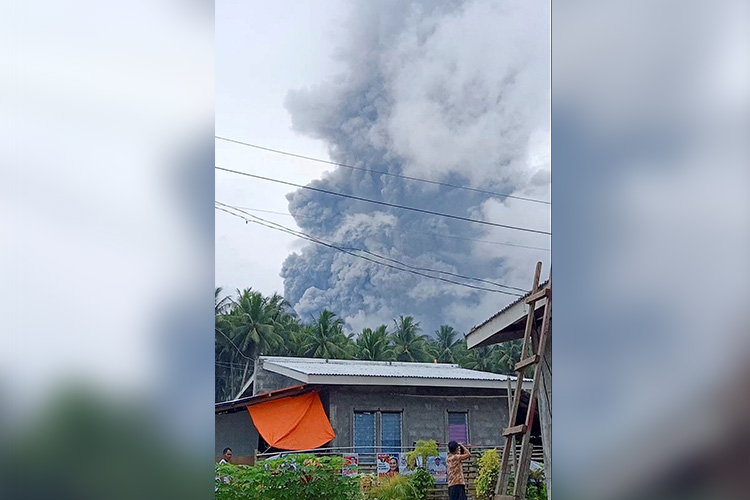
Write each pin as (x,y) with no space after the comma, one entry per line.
(242,403)
(372,380)
(507,325)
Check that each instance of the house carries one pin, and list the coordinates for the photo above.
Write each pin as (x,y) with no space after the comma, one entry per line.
(368,406)
(509,324)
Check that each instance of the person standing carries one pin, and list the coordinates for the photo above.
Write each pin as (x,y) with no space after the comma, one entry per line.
(226,456)
(456,482)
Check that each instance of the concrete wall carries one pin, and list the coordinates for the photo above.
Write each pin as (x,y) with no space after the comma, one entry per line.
(266,381)
(424,411)
(237,431)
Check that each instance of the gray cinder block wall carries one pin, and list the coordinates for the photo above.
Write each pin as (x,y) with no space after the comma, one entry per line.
(237,431)
(424,411)
(266,381)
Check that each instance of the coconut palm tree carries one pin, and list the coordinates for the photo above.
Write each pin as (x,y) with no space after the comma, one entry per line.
(445,344)
(253,321)
(408,344)
(507,355)
(479,358)
(373,345)
(325,337)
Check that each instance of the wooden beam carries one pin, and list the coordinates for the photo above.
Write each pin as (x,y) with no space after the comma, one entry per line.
(538,295)
(527,362)
(515,430)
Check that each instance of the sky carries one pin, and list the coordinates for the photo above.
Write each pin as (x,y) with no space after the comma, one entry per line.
(261,54)
(452,92)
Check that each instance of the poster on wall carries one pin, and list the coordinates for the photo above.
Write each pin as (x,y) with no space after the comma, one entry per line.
(351,461)
(408,465)
(436,466)
(388,464)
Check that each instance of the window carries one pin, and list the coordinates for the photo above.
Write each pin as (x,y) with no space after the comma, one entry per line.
(364,431)
(375,435)
(458,429)
(390,432)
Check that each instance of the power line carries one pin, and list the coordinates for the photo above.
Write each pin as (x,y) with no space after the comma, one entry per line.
(384,203)
(234,345)
(484,241)
(335,247)
(354,249)
(250,209)
(382,172)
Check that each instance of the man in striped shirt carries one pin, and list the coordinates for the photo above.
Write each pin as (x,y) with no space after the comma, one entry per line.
(456,482)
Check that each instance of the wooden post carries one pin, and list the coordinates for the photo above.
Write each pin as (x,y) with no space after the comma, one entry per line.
(513,441)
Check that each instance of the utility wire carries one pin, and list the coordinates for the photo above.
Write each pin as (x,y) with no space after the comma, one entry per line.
(250,209)
(484,241)
(382,172)
(354,249)
(335,247)
(234,345)
(384,203)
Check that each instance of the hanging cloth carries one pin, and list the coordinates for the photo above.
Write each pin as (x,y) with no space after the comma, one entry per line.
(294,423)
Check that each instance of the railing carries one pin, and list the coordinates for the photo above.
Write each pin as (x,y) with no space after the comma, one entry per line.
(368,457)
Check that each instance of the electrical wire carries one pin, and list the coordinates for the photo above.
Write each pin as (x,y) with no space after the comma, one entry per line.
(384,203)
(269,225)
(287,214)
(354,249)
(382,172)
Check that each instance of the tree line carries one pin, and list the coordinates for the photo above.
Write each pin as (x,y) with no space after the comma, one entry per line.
(250,324)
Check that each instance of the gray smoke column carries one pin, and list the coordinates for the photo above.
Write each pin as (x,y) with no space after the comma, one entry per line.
(448,91)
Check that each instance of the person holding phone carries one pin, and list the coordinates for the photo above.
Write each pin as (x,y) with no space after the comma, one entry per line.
(456,482)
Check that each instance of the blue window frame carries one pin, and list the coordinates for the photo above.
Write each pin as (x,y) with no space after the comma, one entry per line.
(390,433)
(364,434)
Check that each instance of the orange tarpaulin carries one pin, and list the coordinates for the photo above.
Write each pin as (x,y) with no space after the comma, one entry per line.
(294,423)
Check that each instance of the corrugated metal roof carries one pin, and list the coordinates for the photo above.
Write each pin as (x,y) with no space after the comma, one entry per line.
(501,311)
(385,369)
(242,403)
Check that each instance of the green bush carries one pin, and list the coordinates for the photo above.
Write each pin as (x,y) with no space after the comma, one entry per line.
(422,481)
(489,468)
(422,449)
(295,477)
(393,488)
(536,488)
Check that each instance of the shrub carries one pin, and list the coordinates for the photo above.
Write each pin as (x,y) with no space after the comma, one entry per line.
(295,477)
(489,468)
(536,489)
(422,449)
(393,488)
(422,482)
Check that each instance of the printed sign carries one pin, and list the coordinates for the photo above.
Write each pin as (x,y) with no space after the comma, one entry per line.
(436,466)
(388,464)
(351,461)
(408,466)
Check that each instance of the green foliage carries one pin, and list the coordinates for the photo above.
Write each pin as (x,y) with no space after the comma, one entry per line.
(536,488)
(422,449)
(296,477)
(422,482)
(489,468)
(393,488)
(373,345)
(252,324)
(408,343)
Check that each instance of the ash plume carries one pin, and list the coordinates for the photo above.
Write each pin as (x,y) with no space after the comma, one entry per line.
(455,92)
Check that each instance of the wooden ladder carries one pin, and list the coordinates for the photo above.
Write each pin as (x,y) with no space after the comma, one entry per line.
(524,430)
